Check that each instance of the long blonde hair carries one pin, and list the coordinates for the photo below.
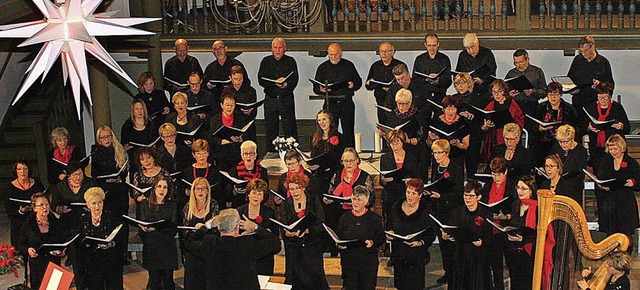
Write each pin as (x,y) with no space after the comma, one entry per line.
(192,197)
(120,154)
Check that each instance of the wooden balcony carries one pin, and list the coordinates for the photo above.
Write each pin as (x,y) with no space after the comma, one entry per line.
(361,24)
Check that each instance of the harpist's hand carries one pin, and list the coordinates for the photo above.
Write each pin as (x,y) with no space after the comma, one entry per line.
(586,272)
(369,243)
(583,284)
(477,243)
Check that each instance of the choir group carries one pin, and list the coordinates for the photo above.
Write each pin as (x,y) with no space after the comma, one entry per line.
(454,167)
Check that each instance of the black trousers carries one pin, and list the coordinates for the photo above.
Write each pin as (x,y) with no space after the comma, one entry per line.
(520,265)
(276,107)
(359,272)
(409,277)
(496,264)
(343,112)
(161,279)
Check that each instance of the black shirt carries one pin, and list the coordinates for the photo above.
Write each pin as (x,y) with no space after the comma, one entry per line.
(342,71)
(382,73)
(274,69)
(179,71)
(203,97)
(467,63)
(583,71)
(426,65)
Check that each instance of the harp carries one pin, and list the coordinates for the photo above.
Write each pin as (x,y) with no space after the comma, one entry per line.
(555,207)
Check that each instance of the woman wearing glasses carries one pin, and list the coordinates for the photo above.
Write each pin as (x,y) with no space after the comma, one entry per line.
(566,254)
(342,185)
(520,250)
(247,169)
(506,110)
(470,261)
(42,226)
(108,159)
(574,159)
(519,159)
(397,159)
(604,110)
(469,99)
(200,209)
(360,264)
(174,157)
(405,112)
(555,109)
(445,191)
(200,168)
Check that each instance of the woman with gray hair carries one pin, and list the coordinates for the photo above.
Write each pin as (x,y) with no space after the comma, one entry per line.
(520,161)
(360,264)
(61,154)
(405,112)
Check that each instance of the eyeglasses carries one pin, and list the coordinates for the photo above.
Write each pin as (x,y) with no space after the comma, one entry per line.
(105,137)
(248,153)
(466,195)
(602,98)
(199,188)
(565,142)
(510,139)
(550,166)
(349,161)
(496,92)
(358,199)
(522,188)
(201,154)
(403,103)
(168,136)
(460,83)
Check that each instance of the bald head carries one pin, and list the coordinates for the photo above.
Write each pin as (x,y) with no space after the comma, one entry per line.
(219,49)
(182,48)
(334,52)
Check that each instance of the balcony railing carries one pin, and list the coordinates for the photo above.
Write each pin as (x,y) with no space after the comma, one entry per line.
(202,17)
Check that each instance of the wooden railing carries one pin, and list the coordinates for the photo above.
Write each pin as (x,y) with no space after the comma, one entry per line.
(204,17)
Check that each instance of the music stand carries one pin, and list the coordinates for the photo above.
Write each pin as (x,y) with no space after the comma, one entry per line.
(326,97)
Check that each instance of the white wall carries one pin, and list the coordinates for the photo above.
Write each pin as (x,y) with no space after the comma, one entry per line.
(625,65)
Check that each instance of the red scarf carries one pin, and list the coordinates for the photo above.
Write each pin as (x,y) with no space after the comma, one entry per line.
(67,154)
(301,171)
(243,173)
(548,117)
(227,121)
(602,135)
(531,221)
(496,194)
(345,189)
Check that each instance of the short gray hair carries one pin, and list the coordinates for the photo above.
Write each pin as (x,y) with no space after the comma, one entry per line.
(361,190)
(246,145)
(228,219)
(470,39)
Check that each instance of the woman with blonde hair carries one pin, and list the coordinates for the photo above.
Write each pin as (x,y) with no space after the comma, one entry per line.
(174,156)
(200,208)
(183,120)
(107,167)
(573,155)
(617,206)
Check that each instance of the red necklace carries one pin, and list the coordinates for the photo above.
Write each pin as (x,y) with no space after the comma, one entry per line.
(206,172)
(24,188)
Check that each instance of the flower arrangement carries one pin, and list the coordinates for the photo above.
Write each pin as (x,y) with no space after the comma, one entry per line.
(284,144)
(9,261)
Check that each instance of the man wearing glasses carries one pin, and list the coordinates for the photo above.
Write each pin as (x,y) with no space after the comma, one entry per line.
(479,60)
(216,74)
(381,72)
(432,70)
(588,67)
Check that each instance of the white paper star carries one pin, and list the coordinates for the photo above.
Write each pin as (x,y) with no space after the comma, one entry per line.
(67,31)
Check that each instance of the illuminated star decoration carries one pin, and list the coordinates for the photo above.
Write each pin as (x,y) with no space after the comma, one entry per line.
(67,31)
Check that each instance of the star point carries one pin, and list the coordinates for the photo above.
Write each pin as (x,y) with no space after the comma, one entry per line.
(67,31)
